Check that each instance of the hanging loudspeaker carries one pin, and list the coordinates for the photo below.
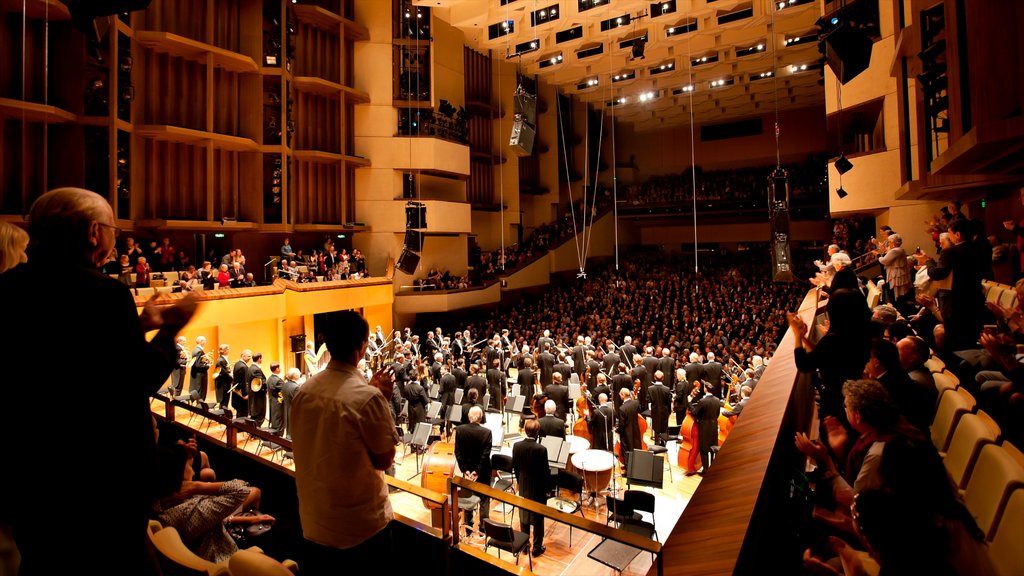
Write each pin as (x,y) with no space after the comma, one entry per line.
(414,240)
(521,140)
(408,262)
(782,270)
(848,52)
(298,343)
(525,107)
(415,215)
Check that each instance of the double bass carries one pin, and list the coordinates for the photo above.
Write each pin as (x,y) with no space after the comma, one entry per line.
(581,428)
(688,456)
(642,423)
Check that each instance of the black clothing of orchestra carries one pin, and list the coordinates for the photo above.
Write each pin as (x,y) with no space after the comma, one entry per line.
(401,371)
(579,359)
(595,368)
(526,388)
(290,388)
(178,373)
(595,393)
(491,354)
(705,411)
(460,377)
(694,371)
(611,362)
(627,353)
(496,386)
(565,370)
(257,399)
(546,365)
(478,383)
(560,394)
(641,373)
(620,381)
(661,407)
(418,402)
(240,397)
(601,424)
(651,363)
(435,373)
(667,365)
(198,375)
(473,453)
(552,426)
(533,476)
(736,409)
(629,427)
(275,390)
(681,403)
(222,381)
(713,374)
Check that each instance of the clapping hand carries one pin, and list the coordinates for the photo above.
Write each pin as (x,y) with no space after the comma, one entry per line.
(384,380)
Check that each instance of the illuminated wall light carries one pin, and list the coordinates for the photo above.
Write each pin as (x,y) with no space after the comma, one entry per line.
(760,46)
(533,44)
(671,30)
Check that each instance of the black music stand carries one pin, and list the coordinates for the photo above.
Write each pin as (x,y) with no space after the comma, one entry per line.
(515,407)
(645,469)
(419,443)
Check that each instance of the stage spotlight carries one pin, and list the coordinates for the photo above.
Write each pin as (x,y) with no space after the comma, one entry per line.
(841,193)
(842,164)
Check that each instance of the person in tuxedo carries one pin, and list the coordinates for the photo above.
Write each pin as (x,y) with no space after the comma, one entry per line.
(495,384)
(601,388)
(544,343)
(473,453)
(459,372)
(533,476)
(601,423)
(595,368)
(621,380)
(559,393)
(745,392)
(579,357)
(694,369)
(257,398)
(661,408)
(401,370)
(706,407)
(180,364)
(525,381)
(222,380)
(628,353)
(684,389)
(639,372)
(418,402)
(289,388)
(475,381)
(240,377)
(199,372)
(628,424)
(550,423)
(611,357)
(275,392)
(562,367)
(650,361)
(446,392)
(667,365)
(713,373)
(545,363)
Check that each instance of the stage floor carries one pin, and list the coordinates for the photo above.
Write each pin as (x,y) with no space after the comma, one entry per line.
(559,558)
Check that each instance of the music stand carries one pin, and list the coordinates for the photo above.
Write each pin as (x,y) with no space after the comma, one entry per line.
(455,413)
(459,393)
(574,378)
(419,443)
(433,410)
(435,389)
(515,406)
(558,451)
(574,391)
(517,390)
(487,402)
(646,469)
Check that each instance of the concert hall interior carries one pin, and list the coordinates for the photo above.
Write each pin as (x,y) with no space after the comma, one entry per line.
(551,205)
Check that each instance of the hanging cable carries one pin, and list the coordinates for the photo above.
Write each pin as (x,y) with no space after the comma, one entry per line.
(568,181)
(615,178)
(693,152)
(775,86)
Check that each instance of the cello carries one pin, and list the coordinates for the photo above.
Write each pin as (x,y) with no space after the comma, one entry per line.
(642,422)
(581,428)
(688,457)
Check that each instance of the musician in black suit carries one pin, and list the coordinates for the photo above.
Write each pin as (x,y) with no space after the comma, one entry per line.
(560,394)
(595,369)
(639,372)
(289,388)
(650,361)
(473,453)
(199,372)
(620,380)
(476,381)
(460,372)
(694,369)
(401,370)
(446,391)
(533,476)
(705,409)
(180,364)
(601,424)
(546,364)
(240,377)
(257,391)
(525,381)
(222,379)
(628,352)
(713,374)
(681,403)
(611,357)
(628,424)
(579,356)
(275,390)
(562,367)
(495,384)
(667,365)
(550,424)
(545,342)
(661,407)
(601,388)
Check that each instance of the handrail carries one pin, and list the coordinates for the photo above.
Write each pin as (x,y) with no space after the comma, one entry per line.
(585,524)
(425,493)
(492,560)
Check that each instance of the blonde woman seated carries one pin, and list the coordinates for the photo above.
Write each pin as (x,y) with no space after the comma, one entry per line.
(201,511)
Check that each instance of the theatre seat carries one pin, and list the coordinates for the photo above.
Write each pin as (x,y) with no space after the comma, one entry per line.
(1005,547)
(996,475)
(971,435)
(952,405)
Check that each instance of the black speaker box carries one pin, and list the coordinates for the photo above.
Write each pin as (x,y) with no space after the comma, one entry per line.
(848,52)
(408,261)
(414,240)
(521,140)
(415,215)
(525,107)
(298,343)
(782,267)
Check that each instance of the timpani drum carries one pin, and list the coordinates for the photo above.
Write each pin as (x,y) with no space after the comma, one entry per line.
(577,444)
(596,467)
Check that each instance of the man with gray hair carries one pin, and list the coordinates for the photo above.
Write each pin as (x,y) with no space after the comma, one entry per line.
(88,314)
(473,453)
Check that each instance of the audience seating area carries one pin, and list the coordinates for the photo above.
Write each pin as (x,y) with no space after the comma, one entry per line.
(176,559)
(988,471)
